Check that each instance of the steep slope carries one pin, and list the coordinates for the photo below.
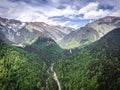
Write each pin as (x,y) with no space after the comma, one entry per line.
(79,38)
(97,67)
(2,36)
(110,41)
(20,70)
(46,48)
(105,25)
(20,33)
(97,30)
(15,31)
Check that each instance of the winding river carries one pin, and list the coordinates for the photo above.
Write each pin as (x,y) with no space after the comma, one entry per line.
(55,77)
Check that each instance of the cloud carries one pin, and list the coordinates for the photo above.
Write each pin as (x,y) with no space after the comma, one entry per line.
(73,13)
(92,11)
(74,26)
(90,7)
(117,13)
(64,23)
(94,14)
(67,11)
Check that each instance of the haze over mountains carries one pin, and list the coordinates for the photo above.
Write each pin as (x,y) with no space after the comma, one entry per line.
(90,32)
(22,33)
(38,56)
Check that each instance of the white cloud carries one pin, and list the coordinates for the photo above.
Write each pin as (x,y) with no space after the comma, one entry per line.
(27,12)
(74,26)
(95,14)
(60,12)
(89,7)
(68,11)
(51,22)
(55,1)
(92,11)
(64,23)
(117,13)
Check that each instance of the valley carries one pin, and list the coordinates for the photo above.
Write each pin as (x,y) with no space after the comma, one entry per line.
(38,56)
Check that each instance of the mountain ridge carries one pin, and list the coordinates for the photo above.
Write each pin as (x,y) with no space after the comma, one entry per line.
(101,26)
(95,67)
(26,31)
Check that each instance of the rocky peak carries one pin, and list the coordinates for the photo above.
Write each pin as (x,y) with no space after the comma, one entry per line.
(108,20)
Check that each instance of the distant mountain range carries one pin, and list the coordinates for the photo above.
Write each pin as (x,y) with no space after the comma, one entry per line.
(31,59)
(22,33)
(90,32)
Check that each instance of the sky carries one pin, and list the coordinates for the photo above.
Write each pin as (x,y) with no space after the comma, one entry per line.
(69,13)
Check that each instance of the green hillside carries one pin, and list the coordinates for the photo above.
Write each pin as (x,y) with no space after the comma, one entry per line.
(95,68)
(46,49)
(20,70)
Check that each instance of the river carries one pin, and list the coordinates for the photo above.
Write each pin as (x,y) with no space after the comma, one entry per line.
(55,77)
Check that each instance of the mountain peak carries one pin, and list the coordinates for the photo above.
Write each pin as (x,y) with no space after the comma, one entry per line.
(108,20)
(10,21)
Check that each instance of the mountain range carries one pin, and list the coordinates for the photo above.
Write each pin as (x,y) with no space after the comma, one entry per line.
(38,56)
(90,33)
(22,33)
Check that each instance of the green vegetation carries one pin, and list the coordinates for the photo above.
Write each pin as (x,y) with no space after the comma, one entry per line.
(95,68)
(27,70)
(89,71)
(79,38)
(46,49)
(72,44)
(20,70)
(29,42)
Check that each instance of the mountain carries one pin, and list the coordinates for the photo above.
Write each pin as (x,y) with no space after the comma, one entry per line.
(34,37)
(65,30)
(110,42)
(55,32)
(46,49)
(96,67)
(20,70)
(105,25)
(16,32)
(79,38)
(20,33)
(27,68)
(90,33)
(40,63)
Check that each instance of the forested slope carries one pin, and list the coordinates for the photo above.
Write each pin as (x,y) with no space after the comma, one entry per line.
(20,70)
(95,68)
